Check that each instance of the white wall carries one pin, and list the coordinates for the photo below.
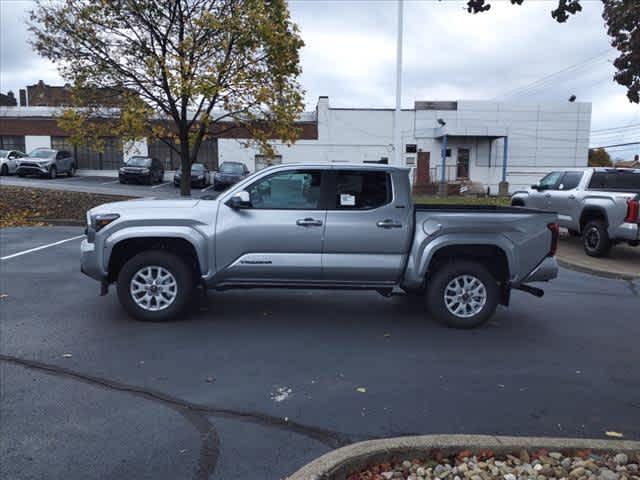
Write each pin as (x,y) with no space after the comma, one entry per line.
(36,141)
(138,147)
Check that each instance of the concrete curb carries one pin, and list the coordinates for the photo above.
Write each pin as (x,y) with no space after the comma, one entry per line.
(336,465)
(595,271)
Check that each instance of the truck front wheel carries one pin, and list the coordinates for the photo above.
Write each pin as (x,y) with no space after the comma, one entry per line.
(462,294)
(155,285)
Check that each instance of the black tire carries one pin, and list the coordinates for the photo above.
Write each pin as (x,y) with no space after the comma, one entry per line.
(4,171)
(175,265)
(72,171)
(53,172)
(21,174)
(438,283)
(122,182)
(516,202)
(595,239)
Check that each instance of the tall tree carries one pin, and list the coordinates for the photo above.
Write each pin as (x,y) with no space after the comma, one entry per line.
(599,157)
(187,69)
(622,18)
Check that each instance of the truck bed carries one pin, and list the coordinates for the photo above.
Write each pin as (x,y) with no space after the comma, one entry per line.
(436,207)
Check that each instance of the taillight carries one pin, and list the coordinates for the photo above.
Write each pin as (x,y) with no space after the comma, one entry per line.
(633,208)
(555,236)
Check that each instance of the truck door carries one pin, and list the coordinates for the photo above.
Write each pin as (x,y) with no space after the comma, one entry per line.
(563,200)
(368,228)
(541,197)
(278,238)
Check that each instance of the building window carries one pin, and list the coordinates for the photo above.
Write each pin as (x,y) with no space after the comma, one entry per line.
(447,153)
(90,159)
(411,148)
(170,158)
(12,142)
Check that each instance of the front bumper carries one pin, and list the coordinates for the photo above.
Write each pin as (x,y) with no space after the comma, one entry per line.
(33,170)
(90,263)
(136,177)
(545,271)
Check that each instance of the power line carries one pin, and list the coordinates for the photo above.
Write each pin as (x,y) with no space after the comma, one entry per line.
(621,127)
(618,145)
(538,83)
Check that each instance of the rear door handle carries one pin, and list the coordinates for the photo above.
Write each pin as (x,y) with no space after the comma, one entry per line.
(308,222)
(388,223)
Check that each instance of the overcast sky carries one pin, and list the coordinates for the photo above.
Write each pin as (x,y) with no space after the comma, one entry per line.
(449,54)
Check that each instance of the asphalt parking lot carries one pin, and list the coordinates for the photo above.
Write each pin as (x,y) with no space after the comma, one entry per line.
(106,185)
(254,384)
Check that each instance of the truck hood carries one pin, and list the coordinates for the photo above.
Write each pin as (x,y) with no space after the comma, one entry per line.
(131,206)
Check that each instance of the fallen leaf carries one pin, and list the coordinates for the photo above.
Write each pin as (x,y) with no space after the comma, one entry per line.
(183,450)
(66,355)
(210,380)
(361,390)
(613,434)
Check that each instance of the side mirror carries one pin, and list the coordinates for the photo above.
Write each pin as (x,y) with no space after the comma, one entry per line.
(536,187)
(240,200)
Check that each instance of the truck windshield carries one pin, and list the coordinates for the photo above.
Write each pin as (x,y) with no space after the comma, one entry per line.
(625,181)
(43,153)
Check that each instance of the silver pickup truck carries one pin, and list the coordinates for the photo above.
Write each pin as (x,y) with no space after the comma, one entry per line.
(319,226)
(601,204)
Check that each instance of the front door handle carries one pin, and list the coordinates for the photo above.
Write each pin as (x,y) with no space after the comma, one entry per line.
(308,222)
(572,197)
(388,223)
(548,195)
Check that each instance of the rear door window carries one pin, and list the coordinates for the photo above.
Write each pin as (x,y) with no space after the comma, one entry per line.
(361,190)
(621,180)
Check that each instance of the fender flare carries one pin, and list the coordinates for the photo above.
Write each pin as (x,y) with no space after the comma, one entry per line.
(195,238)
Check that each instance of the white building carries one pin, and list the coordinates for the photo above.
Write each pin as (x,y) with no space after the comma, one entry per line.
(471,137)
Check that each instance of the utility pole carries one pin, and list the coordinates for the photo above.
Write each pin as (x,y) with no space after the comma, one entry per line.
(397,135)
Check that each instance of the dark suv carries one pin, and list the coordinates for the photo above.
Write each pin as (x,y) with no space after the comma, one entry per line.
(147,170)
(228,174)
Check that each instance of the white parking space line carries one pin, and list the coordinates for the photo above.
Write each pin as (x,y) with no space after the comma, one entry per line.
(110,182)
(42,247)
(206,188)
(160,185)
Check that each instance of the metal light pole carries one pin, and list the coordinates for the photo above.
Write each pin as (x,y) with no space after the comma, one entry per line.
(397,137)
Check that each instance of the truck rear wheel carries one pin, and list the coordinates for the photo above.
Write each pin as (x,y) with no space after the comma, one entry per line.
(595,239)
(462,294)
(155,285)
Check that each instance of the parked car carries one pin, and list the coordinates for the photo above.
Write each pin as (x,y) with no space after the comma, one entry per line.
(320,226)
(601,204)
(9,161)
(229,173)
(47,162)
(139,169)
(200,176)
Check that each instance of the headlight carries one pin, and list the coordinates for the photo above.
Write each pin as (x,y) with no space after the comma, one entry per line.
(145,170)
(98,222)
(200,176)
(121,169)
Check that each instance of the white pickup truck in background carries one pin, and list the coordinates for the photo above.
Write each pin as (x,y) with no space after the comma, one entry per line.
(600,204)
